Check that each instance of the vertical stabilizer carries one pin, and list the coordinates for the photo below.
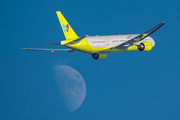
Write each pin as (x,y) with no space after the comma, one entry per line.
(67,30)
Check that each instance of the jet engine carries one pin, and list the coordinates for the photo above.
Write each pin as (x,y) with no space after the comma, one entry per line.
(99,56)
(145,46)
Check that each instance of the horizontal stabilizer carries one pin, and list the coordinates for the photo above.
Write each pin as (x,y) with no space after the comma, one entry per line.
(52,50)
(46,44)
(77,40)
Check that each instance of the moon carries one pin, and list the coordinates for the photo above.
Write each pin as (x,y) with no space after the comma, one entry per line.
(72,86)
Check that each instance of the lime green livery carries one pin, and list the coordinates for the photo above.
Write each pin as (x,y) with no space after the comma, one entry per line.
(99,46)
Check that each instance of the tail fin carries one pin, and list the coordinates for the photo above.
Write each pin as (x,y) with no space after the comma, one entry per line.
(67,30)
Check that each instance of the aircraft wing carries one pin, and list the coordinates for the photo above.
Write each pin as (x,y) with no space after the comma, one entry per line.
(139,37)
(52,50)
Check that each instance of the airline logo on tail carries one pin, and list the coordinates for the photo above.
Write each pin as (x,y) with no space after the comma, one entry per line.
(65,27)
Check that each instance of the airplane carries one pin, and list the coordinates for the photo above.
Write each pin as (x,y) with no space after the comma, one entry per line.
(99,46)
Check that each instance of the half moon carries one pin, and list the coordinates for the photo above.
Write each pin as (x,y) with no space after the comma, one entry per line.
(72,86)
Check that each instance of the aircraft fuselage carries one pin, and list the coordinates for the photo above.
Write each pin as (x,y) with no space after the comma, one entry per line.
(103,44)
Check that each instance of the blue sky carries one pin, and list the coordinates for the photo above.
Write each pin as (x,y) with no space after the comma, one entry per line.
(126,86)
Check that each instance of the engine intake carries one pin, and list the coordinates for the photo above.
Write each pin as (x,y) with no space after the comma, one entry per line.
(145,46)
(99,56)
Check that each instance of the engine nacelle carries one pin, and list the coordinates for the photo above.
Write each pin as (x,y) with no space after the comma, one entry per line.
(145,46)
(99,56)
